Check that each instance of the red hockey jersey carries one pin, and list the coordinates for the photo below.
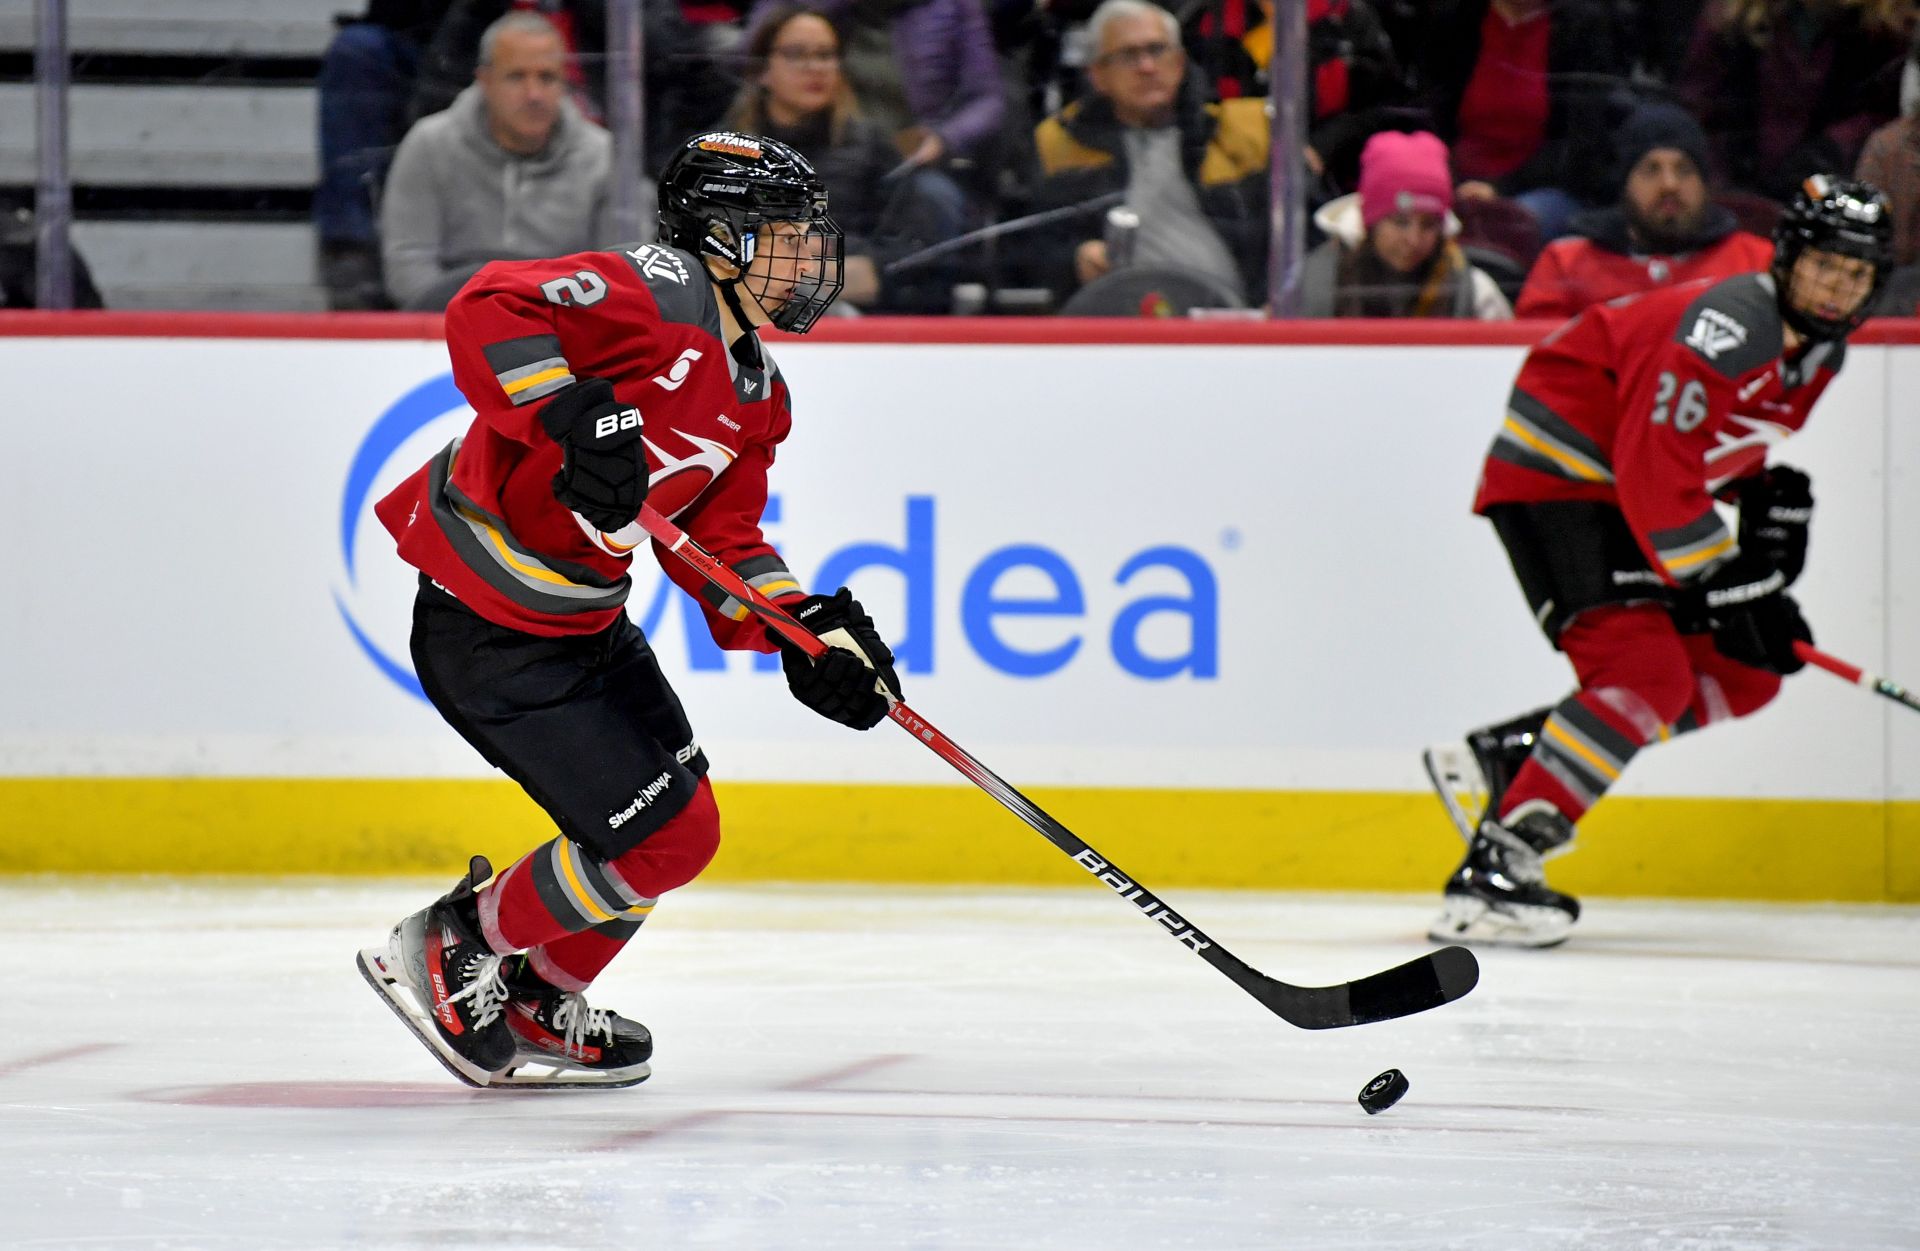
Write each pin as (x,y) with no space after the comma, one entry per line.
(481,518)
(1652,403)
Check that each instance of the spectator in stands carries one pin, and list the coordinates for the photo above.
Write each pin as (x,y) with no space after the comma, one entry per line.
(366,76)
(796,93)
(1789,88)
(926,74)
(20,257)
(1518,90)
(1664,229)
(687,82)
(1354,82)
(512,170)
(1891,162)
(1390,249)
(1194,173)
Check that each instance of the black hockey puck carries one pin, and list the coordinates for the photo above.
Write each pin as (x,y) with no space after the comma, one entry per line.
(1383,1092)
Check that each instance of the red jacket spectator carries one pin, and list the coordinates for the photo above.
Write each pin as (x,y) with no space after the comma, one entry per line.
(1597,264)
(1663,231)
(1480,103)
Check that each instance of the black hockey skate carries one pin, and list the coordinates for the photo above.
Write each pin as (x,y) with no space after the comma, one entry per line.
(442,980)
(1499,895)
(562,1042)
(1472,778)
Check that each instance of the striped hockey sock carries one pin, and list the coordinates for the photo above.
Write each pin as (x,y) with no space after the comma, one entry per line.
(560,889)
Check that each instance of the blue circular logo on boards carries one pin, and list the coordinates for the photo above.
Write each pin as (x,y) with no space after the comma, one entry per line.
(406,417)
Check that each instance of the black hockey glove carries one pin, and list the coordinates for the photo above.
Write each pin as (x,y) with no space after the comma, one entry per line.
(604,475)
(1755,621)
(1776,508)
(839,685)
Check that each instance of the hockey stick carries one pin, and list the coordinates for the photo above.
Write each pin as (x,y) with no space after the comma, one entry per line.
(1433,979)
(1856,675)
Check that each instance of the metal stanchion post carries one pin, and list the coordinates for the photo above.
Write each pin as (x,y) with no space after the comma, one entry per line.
(53,196)
(626,116)
(1287,84)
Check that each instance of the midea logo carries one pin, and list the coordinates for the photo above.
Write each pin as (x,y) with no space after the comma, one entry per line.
(406,417)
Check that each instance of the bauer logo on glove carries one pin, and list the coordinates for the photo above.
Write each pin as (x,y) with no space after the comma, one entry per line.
(613,423)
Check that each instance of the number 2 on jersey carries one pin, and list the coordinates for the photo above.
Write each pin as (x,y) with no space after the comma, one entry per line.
(1692,409)
(582,289)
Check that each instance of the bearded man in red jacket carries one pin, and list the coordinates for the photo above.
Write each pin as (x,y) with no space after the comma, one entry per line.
(1664,231)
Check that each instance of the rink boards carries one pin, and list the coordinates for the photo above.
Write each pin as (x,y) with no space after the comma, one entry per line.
(1204,591)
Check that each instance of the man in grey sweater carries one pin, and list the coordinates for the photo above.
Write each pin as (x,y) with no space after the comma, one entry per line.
(512,170)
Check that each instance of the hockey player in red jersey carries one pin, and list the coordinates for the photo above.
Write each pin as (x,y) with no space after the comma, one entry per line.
(600,382)
(1624,428)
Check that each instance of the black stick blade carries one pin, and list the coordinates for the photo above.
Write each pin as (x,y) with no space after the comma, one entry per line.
(1436,978)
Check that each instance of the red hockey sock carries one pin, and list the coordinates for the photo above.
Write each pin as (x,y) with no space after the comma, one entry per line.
(1583,748)
(561,889)
(571,963)
(1635,678)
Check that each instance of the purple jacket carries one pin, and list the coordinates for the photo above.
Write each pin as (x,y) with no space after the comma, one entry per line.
(947,66)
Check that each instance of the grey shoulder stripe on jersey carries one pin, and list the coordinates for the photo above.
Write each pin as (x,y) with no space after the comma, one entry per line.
(1535,437)
(528,368)
(678,282)
(1694,549)
(1734,325)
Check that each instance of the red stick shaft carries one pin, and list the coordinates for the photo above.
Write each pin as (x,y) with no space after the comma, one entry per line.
(1832,664)
(1856,675)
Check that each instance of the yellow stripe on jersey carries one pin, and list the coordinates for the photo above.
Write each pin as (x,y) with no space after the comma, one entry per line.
(1572,464)
(1688,561)
(533,380)
(506,553)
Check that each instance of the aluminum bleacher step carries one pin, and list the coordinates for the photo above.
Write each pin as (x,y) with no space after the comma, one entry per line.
(185,27)
(202,265)
(171,136)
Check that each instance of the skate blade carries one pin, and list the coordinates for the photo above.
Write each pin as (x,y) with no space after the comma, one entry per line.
(1459,784)
(376,965)
(537,1072)
(1475,922)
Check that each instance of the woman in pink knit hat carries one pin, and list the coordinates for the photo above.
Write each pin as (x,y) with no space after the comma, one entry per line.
(1390,249)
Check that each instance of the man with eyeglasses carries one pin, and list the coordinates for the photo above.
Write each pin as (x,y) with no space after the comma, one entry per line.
(1194,173)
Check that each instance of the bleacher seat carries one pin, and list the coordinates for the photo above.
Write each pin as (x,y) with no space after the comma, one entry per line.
(131,133)
(135,135)
(231,265)
(184,27)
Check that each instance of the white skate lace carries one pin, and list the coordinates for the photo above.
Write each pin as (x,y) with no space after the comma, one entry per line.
(1519,860)
(484,992)
(577,1021)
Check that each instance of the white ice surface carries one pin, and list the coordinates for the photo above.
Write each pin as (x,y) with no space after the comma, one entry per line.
(194,1065)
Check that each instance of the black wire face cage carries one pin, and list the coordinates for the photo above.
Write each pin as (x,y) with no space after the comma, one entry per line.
(795,269)
(1838,216)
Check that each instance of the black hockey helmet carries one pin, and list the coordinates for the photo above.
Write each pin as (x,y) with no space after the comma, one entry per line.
(1836,215)
(721,189)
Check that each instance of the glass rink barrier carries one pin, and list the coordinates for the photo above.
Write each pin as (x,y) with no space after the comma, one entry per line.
(1009,160)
